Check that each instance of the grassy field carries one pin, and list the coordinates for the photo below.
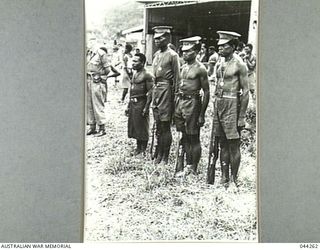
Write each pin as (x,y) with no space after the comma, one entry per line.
(131,199)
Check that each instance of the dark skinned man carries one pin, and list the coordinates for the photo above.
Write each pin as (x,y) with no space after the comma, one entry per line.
(166,70)
(139,103)
(230,105)
(190,110)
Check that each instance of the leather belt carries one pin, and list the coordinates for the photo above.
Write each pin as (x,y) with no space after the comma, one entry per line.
(137,98)
(162,80)
(95,77)
(226,94)
(188,95)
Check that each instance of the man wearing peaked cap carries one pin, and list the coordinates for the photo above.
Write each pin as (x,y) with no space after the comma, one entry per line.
(161,30)
(98,69)
(190,107)
(190,42)
(227,36)
(230,105)
(166,70)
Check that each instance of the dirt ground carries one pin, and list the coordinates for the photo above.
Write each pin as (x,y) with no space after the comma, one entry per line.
(131,199)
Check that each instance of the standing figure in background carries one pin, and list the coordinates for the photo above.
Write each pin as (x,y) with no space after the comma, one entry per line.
(98,70)
(240,49)
(190,110)
(116,61)
(127,71)
(251,61)
(230,105)
(138,107)
(166,70)
(213,59)
(202,55)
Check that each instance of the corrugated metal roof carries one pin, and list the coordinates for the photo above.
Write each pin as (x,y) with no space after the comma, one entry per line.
(132,30)
(162,4)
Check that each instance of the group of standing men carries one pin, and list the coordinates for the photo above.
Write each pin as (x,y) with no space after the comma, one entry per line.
(174,95)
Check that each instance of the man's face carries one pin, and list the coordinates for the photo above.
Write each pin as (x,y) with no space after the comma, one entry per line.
(225,49)
(247,50)
(160,41)
(136,63)
(189,55)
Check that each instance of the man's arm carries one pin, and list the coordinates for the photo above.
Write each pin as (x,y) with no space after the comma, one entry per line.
(176,72)
(206,95)
(149,85)
(244,97)
(251,64)
(211,63)
(125,64)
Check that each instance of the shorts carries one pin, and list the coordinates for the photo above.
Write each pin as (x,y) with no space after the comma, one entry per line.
(225,118)
(187,111)
(162,102)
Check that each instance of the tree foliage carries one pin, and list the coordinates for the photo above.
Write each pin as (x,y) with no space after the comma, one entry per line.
(125,16)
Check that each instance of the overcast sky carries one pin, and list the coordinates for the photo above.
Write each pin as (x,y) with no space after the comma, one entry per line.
(96,10)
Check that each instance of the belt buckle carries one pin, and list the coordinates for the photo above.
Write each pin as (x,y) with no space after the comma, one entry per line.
(96,78)
(134,99)
(219,93)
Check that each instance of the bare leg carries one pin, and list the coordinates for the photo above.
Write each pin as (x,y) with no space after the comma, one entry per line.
(195,151)
(167,140)
(235,157)
(159,150)
(124,93)
(224,160)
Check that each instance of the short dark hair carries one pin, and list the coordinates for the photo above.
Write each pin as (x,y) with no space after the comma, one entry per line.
(142,57)
(128,47)
(249,45)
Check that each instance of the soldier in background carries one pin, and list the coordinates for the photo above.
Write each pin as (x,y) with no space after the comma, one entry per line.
(190,110)
(116,60)
(213,59)
(127,71)
(250,60)
(230,105)
(166,70)
(98,70)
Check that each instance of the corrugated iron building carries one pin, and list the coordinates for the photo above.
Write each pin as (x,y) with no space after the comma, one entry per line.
(203,18)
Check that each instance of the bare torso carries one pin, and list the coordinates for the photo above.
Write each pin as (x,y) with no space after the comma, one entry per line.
(190,75)
(228,75)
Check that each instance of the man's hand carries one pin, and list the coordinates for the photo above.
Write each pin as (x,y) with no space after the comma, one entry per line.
(241,123)
(126,112)
(145,112)
(201,120)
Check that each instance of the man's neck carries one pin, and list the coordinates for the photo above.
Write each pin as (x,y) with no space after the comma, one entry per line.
(191,61)
(164,48)
(229,57)
(139,70)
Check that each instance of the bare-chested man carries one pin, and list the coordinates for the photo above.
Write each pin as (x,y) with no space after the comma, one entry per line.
(190,110)
(138,107)
(231,101)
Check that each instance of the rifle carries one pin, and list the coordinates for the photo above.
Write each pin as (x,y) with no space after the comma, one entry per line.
(213,157)
(179,155)
(153,131)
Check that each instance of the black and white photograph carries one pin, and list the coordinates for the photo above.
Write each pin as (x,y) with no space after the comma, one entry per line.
(171,110)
